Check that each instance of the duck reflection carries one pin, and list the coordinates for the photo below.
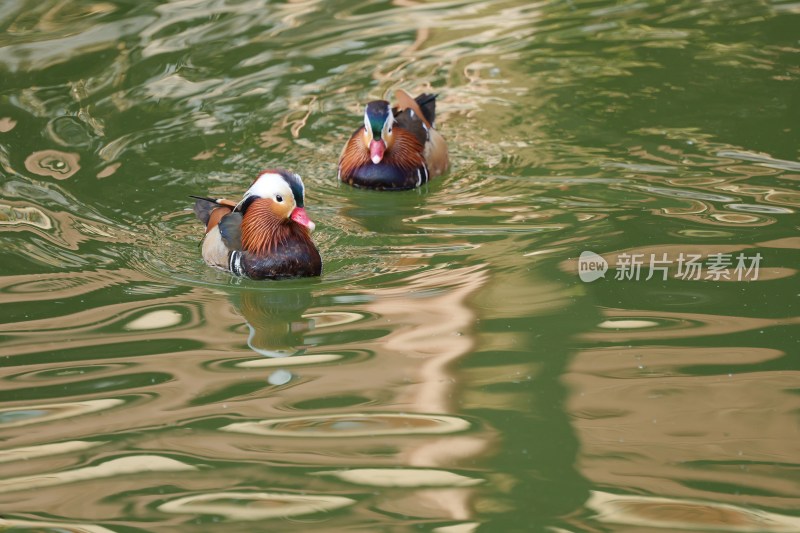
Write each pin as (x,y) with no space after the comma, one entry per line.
(368,209)
(274,320)
(276,327)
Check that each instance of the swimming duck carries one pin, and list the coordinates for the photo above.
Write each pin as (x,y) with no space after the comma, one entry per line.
(267,235)
(397,147)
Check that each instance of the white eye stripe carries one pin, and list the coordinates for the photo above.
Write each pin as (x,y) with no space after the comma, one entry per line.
(269,185)
(389,122)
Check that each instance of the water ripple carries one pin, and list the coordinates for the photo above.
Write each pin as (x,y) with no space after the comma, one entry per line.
(452,311)
(134,464)
(38,414)
(255,505)
(684,514)
(401,477)
(353,425)
(761,159)
(51,526)
(26,453)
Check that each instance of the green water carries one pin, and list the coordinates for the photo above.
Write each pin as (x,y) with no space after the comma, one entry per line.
(450,371)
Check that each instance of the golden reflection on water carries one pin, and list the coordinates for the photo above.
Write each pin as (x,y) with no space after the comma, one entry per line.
(259,506)
(44,450)
(408,369)
(68,527)
(676,325)
(12,417)
(685,515)
(401,477)
(115,468)
(62,229)
(649,423)
(352,425)
(53,163)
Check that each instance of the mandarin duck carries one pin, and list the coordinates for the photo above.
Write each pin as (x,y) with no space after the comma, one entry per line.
(397,148)
(267,235)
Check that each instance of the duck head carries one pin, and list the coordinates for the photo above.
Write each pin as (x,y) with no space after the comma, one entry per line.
(272,206)
(277,194)
(378,122)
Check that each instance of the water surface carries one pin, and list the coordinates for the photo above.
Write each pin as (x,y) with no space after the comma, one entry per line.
(449,371)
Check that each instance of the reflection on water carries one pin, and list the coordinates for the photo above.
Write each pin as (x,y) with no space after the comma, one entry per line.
(401,477)
(651,422)
(116,467)
(14,417)
(449,371)
(352,425)
(691,515)
(228,504)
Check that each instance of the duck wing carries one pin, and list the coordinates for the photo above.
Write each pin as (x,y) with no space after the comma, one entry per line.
(230,230)
(416,115)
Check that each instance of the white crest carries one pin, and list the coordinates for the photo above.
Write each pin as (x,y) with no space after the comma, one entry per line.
(269,185)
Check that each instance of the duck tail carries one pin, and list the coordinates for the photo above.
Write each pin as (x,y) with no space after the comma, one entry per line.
(203,207)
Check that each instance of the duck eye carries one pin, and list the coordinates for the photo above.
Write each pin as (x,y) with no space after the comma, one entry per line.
(279,198)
